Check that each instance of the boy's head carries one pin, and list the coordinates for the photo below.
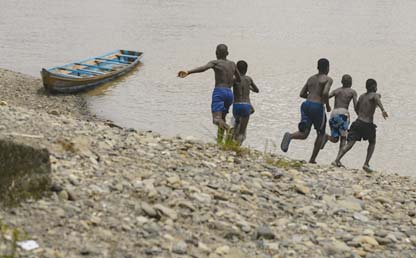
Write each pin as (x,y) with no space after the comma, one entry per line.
(346,81)
(222,51)
(323,66)
(242,67)
(371,85)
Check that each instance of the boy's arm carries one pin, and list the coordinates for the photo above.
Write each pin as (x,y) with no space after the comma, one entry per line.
(253,86)
(200,69)
(357,107)
(328,107)
(332,94)
(327,88)
(237,75)
(355,101)
(304,91)
(377,98)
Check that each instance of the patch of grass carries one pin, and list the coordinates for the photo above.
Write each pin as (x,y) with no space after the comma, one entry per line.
(282,163)
(66,144)
(4,230)
(276,161)
(231,145)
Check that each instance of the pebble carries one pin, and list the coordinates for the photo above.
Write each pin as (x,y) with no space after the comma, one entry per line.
(149,210)
(264,232)
(302,189)
(366,240)
(180,247)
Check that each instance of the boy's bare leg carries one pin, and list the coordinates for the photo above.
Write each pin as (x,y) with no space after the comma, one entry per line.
(331,139)
(370,151)
(236,128)
(342,152)
(317,146)
(300,135)
(218,118)
(342,144)
(288,137)
(242,130)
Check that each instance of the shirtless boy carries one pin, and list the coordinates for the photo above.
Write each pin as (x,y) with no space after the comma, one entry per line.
(363,127)
(340,117)
(222,96)
(242,106)
(315,91)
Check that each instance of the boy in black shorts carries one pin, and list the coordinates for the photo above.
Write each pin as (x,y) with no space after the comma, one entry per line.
(363,127)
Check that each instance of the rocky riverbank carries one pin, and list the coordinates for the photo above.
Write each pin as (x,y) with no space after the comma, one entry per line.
(122,193)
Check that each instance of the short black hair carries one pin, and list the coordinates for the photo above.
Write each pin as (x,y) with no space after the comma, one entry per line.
(242,67)
(323,64)
(346,80)
(369,84)
(222,50)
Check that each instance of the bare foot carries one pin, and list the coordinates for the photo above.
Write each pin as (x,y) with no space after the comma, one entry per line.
(367,169)
(337,164)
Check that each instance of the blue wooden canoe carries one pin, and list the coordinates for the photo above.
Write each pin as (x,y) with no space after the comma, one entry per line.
(89,73)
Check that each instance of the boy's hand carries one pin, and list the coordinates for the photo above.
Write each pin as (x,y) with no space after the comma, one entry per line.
(183,74)
(385,115)
(328,108)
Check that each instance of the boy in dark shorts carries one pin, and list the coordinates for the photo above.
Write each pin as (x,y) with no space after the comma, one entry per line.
(315,91)
(363,127)
(222,96)
(242,107)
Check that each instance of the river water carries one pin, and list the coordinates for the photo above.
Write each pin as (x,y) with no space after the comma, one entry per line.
(280,40)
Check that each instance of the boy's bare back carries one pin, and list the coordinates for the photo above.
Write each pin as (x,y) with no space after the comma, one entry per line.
(224,72)
(316,85)
(343,97)
(242,90)
(367,104)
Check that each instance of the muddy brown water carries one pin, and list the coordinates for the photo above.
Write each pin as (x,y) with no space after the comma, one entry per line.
(280,40)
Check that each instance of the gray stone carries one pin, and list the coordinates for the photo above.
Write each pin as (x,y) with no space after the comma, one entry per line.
(180,247)
(149,210)
(264,232)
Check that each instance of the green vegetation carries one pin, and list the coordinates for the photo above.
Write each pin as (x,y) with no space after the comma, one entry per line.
(282,163)
(229,144)
(11,245)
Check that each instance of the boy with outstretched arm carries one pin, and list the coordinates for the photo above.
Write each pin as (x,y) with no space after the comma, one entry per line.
(222,97)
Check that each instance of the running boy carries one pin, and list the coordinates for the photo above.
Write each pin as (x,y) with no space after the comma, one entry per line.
(340,117)
(222,96)
(363,127)
(315,91)
(242,107)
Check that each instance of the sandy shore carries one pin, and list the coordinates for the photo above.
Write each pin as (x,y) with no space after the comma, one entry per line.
(122,193)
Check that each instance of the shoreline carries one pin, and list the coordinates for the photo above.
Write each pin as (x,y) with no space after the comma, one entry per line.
(119,192)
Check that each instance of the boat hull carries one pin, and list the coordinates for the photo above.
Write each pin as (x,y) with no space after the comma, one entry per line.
(57,83)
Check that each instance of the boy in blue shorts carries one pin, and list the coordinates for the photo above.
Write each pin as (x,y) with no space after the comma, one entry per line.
(340,117)
(222,96)
(315,91)
(242,107)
